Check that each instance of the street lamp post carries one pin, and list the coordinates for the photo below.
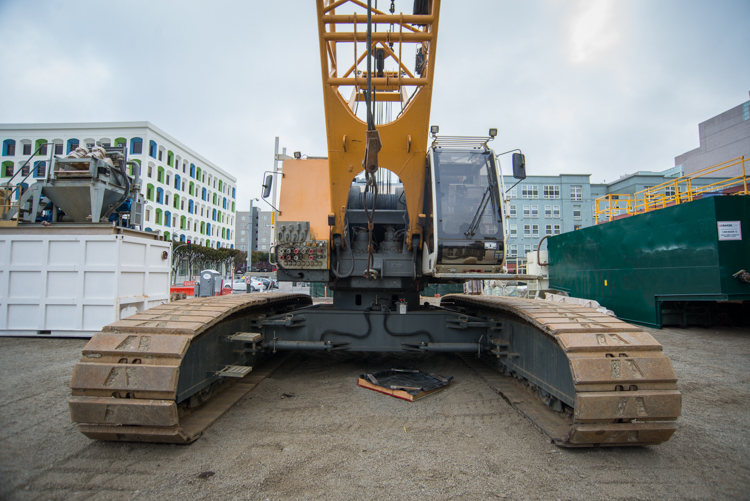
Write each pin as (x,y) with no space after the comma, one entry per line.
(250,239)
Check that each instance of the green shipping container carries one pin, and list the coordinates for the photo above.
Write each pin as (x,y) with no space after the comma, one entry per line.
(644,265)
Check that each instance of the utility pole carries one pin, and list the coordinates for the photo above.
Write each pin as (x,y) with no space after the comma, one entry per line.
(250,239)
(277,157)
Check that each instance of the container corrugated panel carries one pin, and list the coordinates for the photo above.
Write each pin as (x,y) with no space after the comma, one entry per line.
(58,283)
(632,265)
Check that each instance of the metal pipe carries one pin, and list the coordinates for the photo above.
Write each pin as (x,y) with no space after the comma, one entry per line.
(379,19)
(383,36)
(444,347)
(306,345)
(393,81)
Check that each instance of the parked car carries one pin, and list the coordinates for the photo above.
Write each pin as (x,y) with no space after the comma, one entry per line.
(269,283)
(256,284)
(239,286)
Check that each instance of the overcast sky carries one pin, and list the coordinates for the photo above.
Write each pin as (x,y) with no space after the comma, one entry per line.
(596,87)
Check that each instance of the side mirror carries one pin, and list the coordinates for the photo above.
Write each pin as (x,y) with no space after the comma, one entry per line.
(267,185)
(519,166)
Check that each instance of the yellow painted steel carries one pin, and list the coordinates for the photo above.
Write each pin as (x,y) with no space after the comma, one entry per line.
(672,192)
(305,184)
(404,140)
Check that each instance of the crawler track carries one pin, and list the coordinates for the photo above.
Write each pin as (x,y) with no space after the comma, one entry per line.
(153,377)
(614,376)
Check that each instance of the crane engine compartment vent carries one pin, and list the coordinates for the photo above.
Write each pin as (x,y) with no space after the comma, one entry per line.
(406,384)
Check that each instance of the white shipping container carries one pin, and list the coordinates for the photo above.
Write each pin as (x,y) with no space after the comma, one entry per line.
(72,280)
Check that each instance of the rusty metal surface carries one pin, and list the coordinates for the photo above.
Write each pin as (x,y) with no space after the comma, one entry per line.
(625,388)
(124,387)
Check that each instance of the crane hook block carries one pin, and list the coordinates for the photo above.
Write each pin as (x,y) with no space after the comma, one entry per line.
(371,150)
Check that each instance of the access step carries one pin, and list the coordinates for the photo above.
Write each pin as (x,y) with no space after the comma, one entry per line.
(238,371)
(246,337)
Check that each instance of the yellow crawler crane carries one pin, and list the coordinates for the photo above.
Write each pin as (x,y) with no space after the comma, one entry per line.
(387,213)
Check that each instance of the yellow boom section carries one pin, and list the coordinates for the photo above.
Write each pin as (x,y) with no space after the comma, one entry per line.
(404,140)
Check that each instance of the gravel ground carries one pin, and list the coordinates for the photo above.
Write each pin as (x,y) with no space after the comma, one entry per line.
(308,432)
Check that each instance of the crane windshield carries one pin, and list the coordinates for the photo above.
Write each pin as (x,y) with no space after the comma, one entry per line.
(468,202)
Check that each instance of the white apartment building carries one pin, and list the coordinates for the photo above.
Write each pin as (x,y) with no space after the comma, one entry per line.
(187,196)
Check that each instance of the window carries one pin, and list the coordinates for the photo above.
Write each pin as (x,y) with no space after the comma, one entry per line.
(535,247)
(669,191)
(547,211)
(529,191)
(166,199)
(40,169)
(527,231)
(548,230)
(136,146)
(170,158)
(556,211)
(160,195)
(9,148)
(58,148)
(513,193)
(512,211)
(513,230)
(160,174)
(551,191)
(157,212)
(576,212)
(557,229)
(513,250)
(150,192)
(190,206)
(535,211)
(152,149)
(527,248)
(72,144)
(41,147)
(7,169)
(577,227)
(148,214)
(535,231)
(150,172)
(160,154)
(576,192)
(25,170)
(526,211)
(27,149)
(168,179)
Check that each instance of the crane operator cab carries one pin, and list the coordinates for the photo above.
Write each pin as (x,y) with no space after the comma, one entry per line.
(468,238)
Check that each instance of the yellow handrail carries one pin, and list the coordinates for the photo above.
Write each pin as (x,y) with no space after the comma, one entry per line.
(672,192)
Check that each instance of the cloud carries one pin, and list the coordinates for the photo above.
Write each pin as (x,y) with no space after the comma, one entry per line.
(593,29)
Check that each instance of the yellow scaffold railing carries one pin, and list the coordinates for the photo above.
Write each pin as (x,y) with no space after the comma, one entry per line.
(672,192)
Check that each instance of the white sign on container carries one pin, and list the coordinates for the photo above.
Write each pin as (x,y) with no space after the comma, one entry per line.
(730,230)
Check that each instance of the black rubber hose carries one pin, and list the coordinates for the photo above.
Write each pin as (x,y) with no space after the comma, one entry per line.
(401,334)
(349,334)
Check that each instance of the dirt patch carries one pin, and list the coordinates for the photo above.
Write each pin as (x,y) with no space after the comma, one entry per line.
(308,432)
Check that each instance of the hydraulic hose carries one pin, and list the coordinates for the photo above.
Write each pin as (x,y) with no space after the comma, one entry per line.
(400,334)
(349,334)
